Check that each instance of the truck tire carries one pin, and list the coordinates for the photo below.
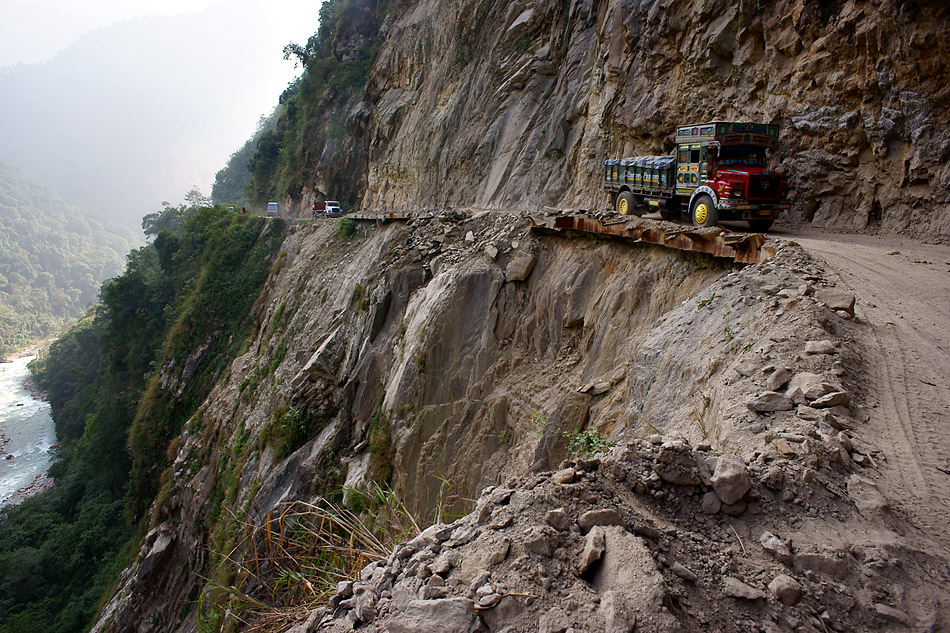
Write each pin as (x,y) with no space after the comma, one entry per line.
(760,225)
(704,213)
(625,203)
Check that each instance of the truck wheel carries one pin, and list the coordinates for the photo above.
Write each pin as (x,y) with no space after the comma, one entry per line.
(760,225)
(704,212)
(625,203)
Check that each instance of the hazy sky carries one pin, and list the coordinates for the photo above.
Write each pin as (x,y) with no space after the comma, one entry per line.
(196,74)
(34,30)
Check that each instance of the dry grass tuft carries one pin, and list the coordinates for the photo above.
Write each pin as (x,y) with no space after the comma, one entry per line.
(291,562)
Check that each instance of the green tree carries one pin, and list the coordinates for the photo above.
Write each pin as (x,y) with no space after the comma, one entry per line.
(196,199)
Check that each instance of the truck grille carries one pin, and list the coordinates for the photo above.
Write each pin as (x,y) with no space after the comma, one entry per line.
(764,186)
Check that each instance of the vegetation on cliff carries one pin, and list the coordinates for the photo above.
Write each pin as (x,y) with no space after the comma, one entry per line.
(313,140)
(183,302)
(52,259)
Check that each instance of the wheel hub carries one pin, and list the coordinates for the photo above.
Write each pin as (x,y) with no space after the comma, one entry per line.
(701,213)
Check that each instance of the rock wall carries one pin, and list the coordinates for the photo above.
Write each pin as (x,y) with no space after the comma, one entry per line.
(515,105)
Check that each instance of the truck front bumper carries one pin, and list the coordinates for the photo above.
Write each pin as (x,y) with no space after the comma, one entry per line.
(740,210)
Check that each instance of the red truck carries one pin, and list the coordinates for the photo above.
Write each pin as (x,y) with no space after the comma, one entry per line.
(718,172)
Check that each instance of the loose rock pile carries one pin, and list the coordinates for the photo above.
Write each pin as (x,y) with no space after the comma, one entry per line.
(657,536)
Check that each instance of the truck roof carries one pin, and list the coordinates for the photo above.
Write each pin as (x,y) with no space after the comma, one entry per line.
(729,133)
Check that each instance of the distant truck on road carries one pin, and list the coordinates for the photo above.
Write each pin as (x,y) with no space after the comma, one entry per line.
(330,209)
(272,209)
(718,172)
(333,209)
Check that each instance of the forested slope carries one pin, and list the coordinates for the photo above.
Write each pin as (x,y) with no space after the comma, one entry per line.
(192,288)
(52,258)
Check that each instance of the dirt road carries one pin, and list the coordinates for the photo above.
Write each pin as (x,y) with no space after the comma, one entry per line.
(902,288)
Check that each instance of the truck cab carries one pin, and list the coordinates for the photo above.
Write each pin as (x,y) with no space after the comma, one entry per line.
(722,169)
(333,209)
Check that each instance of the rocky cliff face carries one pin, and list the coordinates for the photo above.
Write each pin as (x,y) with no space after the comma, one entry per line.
(514,105)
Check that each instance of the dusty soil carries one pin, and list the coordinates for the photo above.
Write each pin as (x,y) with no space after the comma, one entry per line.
(902,288)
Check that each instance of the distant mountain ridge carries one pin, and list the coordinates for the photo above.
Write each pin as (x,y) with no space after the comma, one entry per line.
(53,257)
(141,111)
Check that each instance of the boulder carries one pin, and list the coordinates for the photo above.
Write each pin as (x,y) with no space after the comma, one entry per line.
(783,447)
(837,300)
(364,604)
(520,267)
(448,615)
(734,509)
(731,479)
(711,503)
(833,399)
(735,588)
(819,347)
(776,547)
(559,520)
(778,378)
(806,386)
(769,401)
(593,549)
(785,589)
(540,541)
(607,516)
(890,614)
(684,572)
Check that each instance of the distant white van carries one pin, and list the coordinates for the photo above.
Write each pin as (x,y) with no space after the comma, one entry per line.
(272,209)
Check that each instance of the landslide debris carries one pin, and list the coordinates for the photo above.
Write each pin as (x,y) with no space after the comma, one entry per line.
(611,544)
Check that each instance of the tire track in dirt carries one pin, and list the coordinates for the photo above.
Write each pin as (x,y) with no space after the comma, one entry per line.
(903,296)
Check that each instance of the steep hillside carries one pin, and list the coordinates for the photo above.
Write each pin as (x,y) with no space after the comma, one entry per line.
(52,259)
(190,295)
(458,353)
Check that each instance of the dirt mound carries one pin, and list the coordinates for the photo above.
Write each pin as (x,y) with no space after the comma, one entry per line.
(643,541)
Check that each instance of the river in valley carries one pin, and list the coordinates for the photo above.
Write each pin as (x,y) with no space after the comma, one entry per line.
(26,430)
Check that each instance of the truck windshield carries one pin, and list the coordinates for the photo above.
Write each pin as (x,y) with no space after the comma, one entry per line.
(741,155)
